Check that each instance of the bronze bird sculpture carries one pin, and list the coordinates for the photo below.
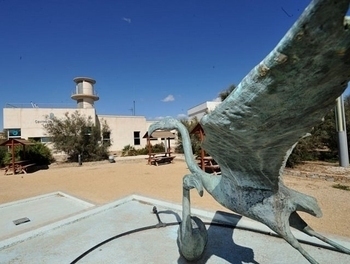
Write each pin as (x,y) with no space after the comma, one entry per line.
(253,131)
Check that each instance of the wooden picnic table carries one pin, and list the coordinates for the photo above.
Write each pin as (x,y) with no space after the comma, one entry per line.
(20,166)
(210,165)
(160,157)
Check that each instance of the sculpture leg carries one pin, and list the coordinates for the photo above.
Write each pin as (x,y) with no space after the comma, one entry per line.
(192,234)
(285,232)
(298,223)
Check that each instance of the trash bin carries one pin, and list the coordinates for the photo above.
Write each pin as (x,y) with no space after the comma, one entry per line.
(111,159)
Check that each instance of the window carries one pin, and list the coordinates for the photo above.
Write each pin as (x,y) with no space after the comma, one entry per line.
(46,139)
(106,138)
(14,133)
(137,140)
(106,135)
(80,88)
(36,139)
(87,131)
(41,139)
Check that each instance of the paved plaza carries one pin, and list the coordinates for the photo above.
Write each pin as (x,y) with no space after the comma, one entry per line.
(64,229)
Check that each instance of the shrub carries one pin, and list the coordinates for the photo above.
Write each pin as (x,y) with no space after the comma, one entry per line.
(143,151)
(157,148)
(38,153)
(300,153)
(341,187)
(154,149)
(3,154)
(129,151)
(195,140)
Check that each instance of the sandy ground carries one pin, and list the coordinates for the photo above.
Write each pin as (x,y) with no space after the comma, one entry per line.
(103,182)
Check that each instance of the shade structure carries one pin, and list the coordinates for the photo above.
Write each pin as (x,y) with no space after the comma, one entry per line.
(12,142)
(159,134)
(199,130)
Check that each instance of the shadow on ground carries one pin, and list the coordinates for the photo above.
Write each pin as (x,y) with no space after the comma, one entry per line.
(222,245)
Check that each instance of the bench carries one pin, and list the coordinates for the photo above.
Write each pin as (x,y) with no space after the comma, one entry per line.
(24,168)
(157,160)
(210,166)
(20,167)
(213,169)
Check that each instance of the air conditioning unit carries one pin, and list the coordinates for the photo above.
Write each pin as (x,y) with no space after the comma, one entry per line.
(14,133)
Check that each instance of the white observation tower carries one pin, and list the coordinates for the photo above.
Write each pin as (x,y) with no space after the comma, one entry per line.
(84,92)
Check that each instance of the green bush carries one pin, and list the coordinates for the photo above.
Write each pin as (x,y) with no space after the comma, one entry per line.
(195,140)
(157,148)
(143,151)
(154,149)
(3,153)
(323,137)
(38,153)
(7,157)
(129,150)
(302,152)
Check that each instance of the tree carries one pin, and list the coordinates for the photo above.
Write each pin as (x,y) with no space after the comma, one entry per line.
(77,135)
(195,141)
(224,94)
(323,142)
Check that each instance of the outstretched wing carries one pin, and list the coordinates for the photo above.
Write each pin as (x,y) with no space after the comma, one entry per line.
(252,132)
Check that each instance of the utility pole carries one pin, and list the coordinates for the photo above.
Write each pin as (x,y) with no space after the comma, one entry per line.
(341,129)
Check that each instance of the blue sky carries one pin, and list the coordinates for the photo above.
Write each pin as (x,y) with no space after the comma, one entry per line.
(167,56)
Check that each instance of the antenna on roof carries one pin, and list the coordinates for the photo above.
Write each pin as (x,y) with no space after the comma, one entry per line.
(33,104)
(133,109)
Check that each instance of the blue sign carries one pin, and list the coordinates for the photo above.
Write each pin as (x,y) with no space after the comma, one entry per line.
(14,133)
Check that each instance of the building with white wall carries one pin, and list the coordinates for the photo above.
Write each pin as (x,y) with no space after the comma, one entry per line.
(27,122)
(126,130)
(200,110)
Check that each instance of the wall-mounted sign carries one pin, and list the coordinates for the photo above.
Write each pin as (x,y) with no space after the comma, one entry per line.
(47,120)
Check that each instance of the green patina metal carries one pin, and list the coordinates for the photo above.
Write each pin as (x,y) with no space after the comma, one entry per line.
(251,134)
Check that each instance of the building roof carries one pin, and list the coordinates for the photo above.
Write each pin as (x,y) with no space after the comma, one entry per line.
(160,134)
(16,141)
(197,129)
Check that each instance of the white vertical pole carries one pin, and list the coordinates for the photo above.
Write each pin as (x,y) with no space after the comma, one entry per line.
(342,137)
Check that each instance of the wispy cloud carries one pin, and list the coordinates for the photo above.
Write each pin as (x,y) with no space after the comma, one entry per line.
(126,19)
(158,118)
(169,98)
(179,116)
(182,116)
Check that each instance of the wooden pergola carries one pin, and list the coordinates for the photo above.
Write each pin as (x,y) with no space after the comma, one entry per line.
(12,143)
(159,134)
(199,130)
